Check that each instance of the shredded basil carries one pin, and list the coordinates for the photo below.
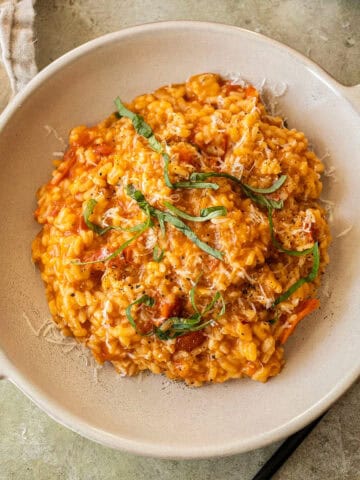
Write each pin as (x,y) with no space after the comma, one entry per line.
(144,129)
(309,278)
(174,327)
(165,217)
(262,200)
(191,235)
(205,213)
(275,186)
(186,184)
(141,228)
(141,127)
(272,321)
(89,209)
(158,254)
(146,300)
(255,194)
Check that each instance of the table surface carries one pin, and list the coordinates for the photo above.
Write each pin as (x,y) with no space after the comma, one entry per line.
(32,446)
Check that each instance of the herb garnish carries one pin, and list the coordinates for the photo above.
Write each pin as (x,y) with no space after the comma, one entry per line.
(309,278)
(89,210)
(146,300)
(174,327)
(184,184)
(196,180)
(141,228)
(255,194)
(205,213)
(165,217)
(141,127)
(158,254)
(144,129)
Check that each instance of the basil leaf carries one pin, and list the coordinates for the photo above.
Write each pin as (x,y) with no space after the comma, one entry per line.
(192,295)
(212,186)
(155,144)
(309,278)
(146,300)
(166,159)
(174,327)
(177,327)
(144,226)
(161,224)
(141,127)
(191,235)
(186,184)
(200,176)
(123,111)
(89,210)
(163,217)
(213,212)
(275,186)
(255,194)
(158,254)
(223,307)
(144,129)
(216,297)
(205,214)
(262,200)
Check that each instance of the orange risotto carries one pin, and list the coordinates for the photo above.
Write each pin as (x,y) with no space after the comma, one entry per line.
(183,235)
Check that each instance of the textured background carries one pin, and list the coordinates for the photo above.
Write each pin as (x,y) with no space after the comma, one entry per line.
(34,447)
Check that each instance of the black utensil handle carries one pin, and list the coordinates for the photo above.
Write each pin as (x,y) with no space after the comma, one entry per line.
(284,452)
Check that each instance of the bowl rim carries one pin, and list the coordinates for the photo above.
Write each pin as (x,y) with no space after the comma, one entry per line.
(61,414)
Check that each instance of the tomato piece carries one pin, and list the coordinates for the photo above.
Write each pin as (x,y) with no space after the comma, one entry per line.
(231,87)
(65,166)
(83,139)
(128,254)
(303,309)
(81,224)
(103,149)
(251,91)
(190,341)
(171,308)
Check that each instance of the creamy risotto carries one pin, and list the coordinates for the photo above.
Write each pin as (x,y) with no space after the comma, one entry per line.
(183,234)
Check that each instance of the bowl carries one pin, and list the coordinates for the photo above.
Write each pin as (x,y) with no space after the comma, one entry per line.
(149,414)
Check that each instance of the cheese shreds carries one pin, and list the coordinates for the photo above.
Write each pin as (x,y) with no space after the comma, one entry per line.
(345,232)
(32,328)
(51,130)
(108,289)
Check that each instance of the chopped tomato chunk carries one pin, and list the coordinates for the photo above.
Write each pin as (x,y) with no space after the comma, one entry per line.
(103,149)
(304,308)
(251,91)
(190,341)
(65,166)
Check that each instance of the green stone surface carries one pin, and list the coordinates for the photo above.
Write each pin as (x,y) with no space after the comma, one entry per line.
(33,446)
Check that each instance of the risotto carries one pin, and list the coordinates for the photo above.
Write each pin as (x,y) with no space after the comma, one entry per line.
(183,235)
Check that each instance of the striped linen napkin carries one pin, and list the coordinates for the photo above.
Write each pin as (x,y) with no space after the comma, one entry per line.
(17,47)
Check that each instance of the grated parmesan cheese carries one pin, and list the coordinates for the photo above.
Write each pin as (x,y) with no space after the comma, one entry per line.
(345,232)
(51,334)
(51,130)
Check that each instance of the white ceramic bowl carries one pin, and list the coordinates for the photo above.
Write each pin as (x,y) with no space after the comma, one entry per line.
(154,416)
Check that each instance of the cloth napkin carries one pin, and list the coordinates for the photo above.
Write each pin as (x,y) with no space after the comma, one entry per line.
(17,47)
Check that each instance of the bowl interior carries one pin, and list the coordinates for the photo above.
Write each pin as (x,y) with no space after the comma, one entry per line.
(149,414)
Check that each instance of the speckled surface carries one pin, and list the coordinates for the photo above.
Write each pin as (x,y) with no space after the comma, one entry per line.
(34,447)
